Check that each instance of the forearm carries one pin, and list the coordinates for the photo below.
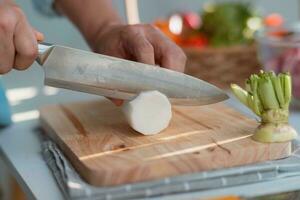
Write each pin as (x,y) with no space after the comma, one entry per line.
(106,34)
(90,16)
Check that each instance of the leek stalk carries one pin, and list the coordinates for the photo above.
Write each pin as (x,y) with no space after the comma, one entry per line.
(269,95)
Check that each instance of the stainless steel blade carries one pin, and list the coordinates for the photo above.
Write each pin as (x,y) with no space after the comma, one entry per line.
(118,78)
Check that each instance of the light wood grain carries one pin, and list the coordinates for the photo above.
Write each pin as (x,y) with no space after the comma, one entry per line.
(106,151)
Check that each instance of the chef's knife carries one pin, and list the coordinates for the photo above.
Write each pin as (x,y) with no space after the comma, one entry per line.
(121,79)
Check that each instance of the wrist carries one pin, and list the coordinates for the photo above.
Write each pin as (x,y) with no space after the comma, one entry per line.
(93,36)
(91,17)
(9,2)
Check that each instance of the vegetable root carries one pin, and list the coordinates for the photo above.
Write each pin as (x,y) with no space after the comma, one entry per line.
(269,95)
(149,113)
(270,132)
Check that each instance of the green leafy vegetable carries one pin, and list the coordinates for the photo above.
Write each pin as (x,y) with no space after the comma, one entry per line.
(229,23)
(269,97)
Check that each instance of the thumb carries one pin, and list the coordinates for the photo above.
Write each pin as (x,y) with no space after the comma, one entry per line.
(38,35)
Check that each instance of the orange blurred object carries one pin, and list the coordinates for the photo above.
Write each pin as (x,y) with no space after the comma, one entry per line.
(163,25)
(280,33)
(273,20)
(227,198)
(176,29)
(195,41)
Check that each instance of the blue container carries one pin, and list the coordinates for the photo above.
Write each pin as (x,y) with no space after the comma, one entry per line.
(5,112)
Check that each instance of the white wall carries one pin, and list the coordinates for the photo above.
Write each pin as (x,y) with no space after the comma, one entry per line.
(60,31)
(151,9)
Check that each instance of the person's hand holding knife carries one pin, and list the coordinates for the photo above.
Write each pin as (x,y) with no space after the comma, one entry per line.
(18,40)
(100,25)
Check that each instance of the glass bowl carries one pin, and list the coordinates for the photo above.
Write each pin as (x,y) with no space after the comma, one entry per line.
(279,50)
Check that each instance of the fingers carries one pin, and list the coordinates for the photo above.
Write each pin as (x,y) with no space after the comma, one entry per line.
(148,45)
(167,53)
(117,102)
(173,58)
(18,42)
(7,50)
(25,42)
(137,44)
(6,53)
(38,35)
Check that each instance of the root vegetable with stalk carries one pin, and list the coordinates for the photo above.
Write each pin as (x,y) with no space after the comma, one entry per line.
(269,95)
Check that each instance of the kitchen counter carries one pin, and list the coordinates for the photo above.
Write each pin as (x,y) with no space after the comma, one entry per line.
(20,147)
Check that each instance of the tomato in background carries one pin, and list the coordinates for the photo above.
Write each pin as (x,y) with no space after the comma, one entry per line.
(273,20)
(191,20)
(195,41)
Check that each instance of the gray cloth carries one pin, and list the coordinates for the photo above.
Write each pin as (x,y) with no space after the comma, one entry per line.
(73,187)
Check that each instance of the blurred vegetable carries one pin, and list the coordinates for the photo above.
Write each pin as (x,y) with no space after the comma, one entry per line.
(229,23)
(199,41)
(274,24)
(273,20)
(269,97)
(182,29)
(191,20)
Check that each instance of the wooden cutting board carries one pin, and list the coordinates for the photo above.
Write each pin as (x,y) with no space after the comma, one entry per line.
(106,151)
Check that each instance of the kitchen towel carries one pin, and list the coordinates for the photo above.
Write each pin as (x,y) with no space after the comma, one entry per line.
(73,187)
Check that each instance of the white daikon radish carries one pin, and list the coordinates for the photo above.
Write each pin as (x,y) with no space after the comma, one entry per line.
(149,113)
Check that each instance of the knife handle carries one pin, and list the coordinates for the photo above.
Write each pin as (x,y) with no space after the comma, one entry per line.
(43,52)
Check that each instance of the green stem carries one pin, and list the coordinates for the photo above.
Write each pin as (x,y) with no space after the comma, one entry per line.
(267,94)
(240,93)
(278,90)
(275,116)
(287,89)
(269,97)
(257,107)
(250,102)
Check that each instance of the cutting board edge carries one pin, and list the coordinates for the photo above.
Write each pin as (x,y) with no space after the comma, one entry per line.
(96,178)
(89,175)
(76,163)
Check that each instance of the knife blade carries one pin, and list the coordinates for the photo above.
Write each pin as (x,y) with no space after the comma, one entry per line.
(112,77)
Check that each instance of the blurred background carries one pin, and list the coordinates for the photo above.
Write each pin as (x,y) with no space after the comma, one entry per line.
(60,31)
(193,24)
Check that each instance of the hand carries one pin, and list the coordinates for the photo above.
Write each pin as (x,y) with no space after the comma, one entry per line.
(18,40)
(142,43)
(105,32)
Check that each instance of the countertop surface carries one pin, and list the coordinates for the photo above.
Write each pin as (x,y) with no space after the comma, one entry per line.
(20,143)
